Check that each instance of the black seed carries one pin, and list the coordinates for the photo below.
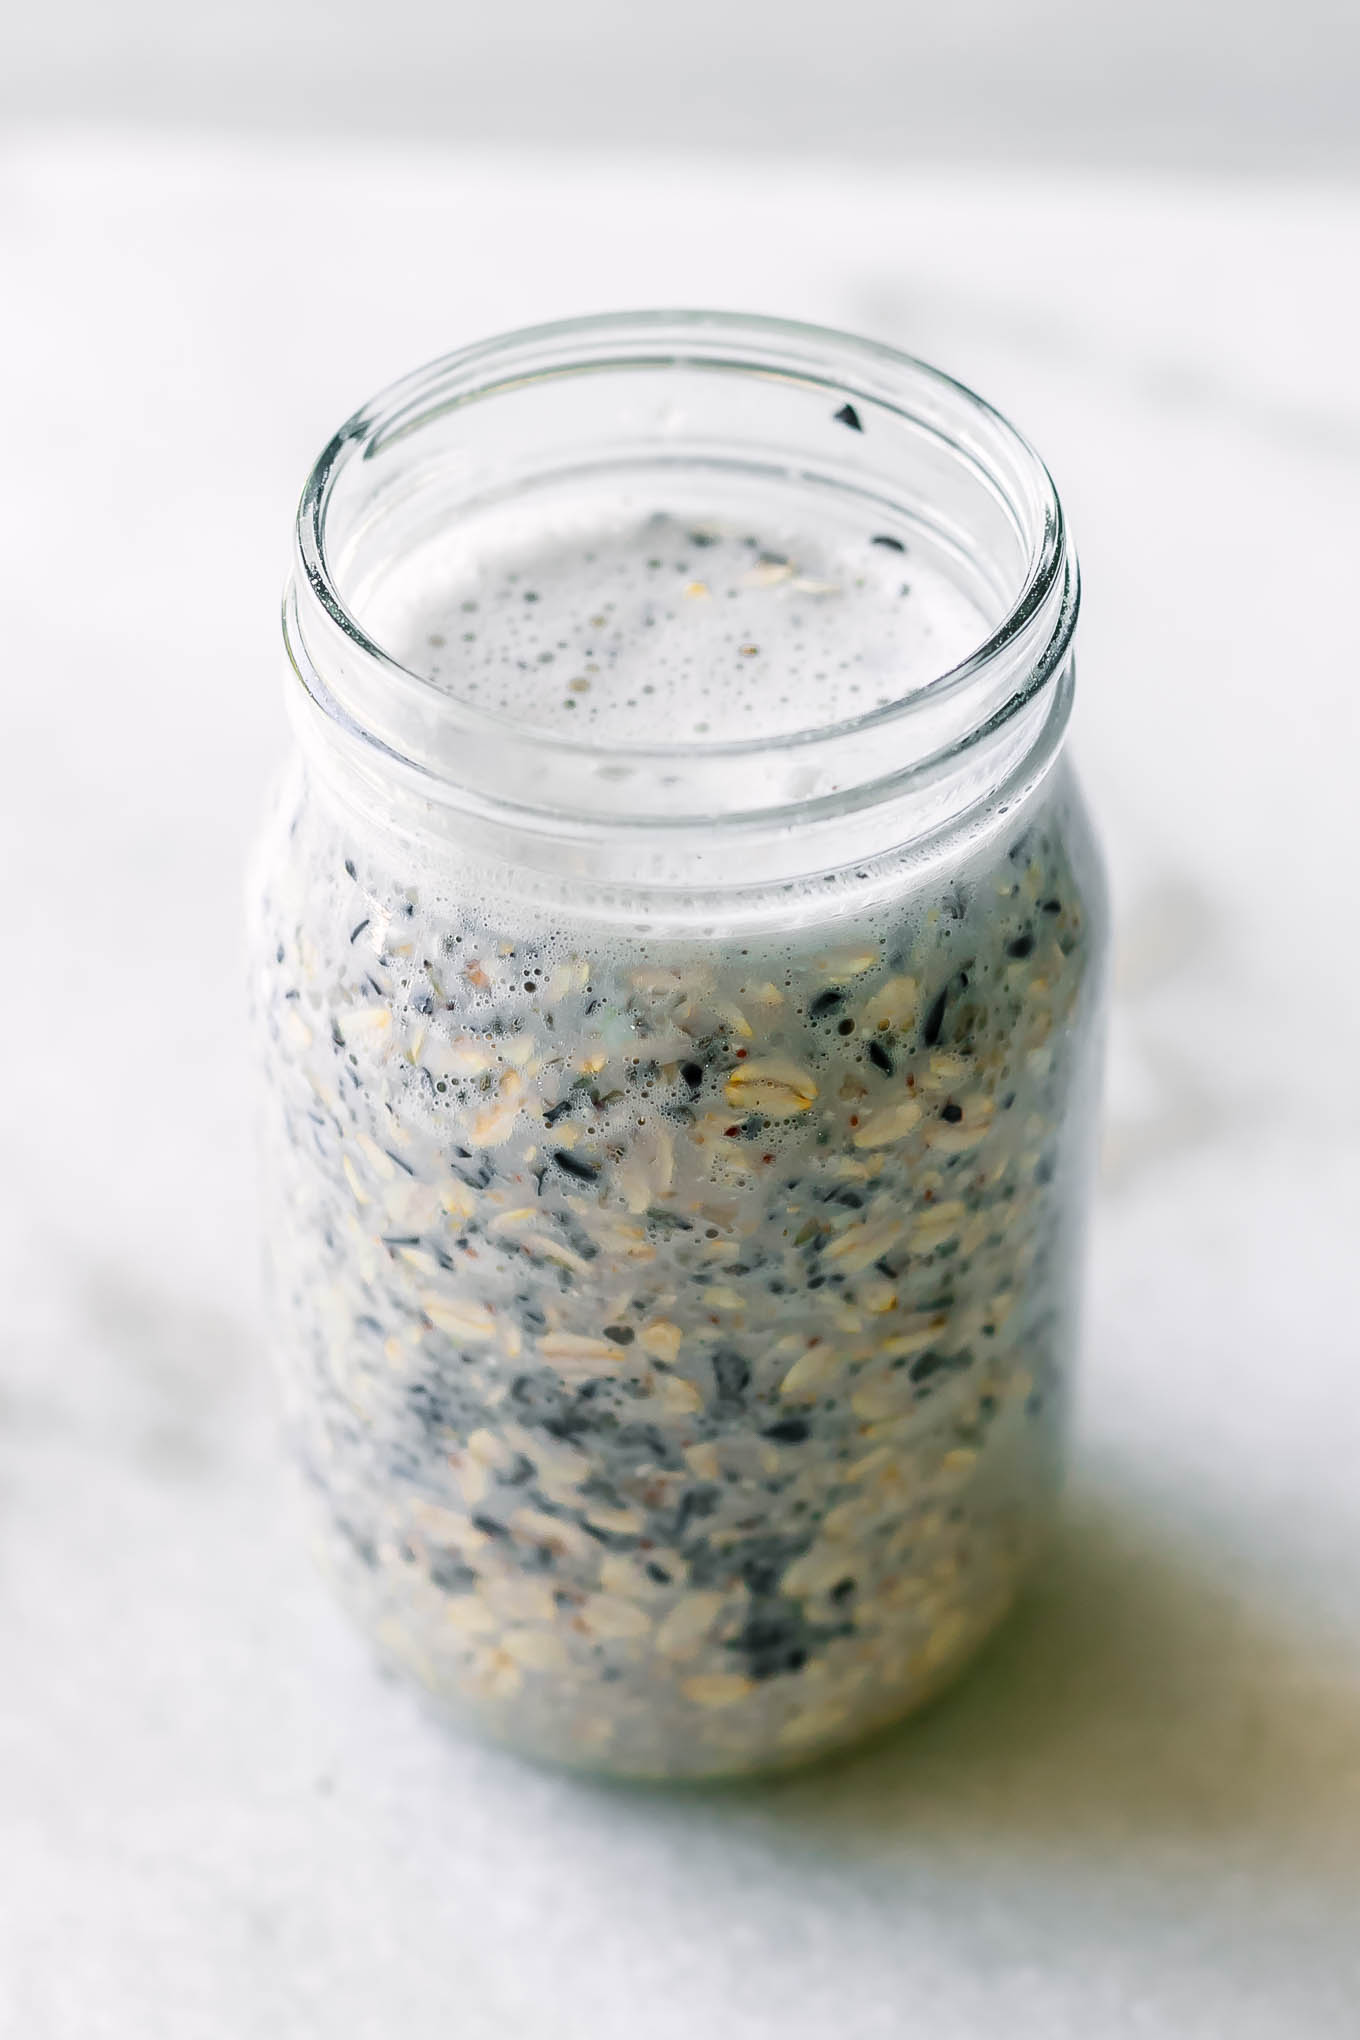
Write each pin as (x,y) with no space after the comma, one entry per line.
(488,1526)
(355,933)
(585,1172)
(934,1020)
(953,1113)
(669,1221)
(824,1003)
(622,1335)
(879,1057)
(657,1572)
(428,1407)
(349,866)
(848,415)
(761,1575)
(893,544)
(1021,946)
(699,1501)
(789,1431)
(732,1373)
(842,1590)
(451,1575)
(925,1365)
(773,1641)
(363,1547)
(693,1074)
(1052,906)
(559,1110)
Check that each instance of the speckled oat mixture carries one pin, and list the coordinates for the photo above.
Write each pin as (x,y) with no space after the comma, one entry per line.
(676,1330)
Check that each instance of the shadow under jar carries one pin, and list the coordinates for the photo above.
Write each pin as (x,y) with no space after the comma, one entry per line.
(677,958)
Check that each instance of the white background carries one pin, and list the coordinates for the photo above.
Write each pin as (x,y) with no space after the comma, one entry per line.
(1247,84)
(1141,1815)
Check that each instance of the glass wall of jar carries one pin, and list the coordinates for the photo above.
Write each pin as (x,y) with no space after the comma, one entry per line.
(677,958)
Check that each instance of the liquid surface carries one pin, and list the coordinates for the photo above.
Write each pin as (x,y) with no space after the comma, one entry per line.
(657,627)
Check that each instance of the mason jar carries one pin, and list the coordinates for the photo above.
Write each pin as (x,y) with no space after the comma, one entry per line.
(677,956)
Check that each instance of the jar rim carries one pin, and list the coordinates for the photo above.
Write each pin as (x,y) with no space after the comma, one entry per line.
(845,363)
(892,766)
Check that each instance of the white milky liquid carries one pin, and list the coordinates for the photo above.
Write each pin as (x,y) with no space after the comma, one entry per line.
(628,625)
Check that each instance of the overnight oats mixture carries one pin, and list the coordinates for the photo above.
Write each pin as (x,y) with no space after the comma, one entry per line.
(677,1324)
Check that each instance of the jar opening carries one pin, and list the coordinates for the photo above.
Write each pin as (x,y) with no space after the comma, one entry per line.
(676,569)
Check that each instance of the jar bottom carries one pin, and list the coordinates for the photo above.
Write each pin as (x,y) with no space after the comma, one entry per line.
(761,1732)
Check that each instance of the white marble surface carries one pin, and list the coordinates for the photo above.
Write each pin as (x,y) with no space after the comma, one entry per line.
(1141,1815)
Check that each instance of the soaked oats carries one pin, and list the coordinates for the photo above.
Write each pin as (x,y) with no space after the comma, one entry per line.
(676,1329)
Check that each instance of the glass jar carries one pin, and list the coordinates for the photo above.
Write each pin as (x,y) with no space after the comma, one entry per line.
(677,957)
